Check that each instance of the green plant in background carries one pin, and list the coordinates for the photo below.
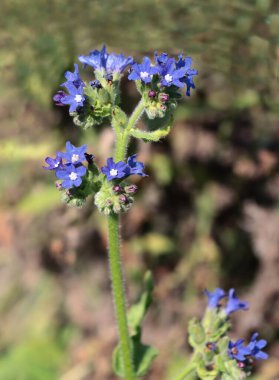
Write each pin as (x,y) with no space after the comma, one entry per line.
(96,102)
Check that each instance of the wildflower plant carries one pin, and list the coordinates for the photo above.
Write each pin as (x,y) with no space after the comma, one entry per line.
(159,82)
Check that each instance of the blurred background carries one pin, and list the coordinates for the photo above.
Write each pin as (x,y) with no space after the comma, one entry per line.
(206,216)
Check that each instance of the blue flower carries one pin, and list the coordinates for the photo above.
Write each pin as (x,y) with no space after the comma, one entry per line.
(238,351)
(163,59)
(117,63)
(115,170)
(135,166)
(74,155)
(256,346)
(170,75)
(73,78)
(75,98)
(110,63)
(58,98)
(97,59)
(143,71)
(234,303)
(215,297)
(53,163)
(71,175)
(186,63)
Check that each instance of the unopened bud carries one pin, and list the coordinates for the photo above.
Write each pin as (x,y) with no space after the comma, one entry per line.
(58,186)
(151,94)
(132,189)
(164,97)
(123,198)
(117,189)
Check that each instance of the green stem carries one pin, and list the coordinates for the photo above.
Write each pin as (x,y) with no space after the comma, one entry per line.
(122,139)
(188,370)
(115,258)
(119,296)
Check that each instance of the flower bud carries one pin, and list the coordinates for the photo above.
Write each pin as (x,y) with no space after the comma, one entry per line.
(164,98)
(132,189)
(123,198)
(117,189)
(58,98)
(151,94)
(89,157)
(58,186)
(95,84)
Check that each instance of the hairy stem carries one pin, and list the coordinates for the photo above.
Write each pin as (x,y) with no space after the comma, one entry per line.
(119,296)
(187,371)
(122,139)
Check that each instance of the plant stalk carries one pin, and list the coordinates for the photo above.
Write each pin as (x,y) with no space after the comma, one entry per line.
(119,296)
(117,278)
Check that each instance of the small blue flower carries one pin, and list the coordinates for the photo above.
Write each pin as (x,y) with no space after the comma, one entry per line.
(238,351)
(74,155)
(117,63)
(186,63)
(135,166)
(172,76)
(97,59)
(53,163)
(109,63)
(75,98)
(163,59)
(73,78)
(58,98)
(143,71)
(215,297)
(256,346)
(115,170)
(234,303)
(71,175)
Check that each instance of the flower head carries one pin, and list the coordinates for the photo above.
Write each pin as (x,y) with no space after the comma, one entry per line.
(135,166)
(117,63)
(97,59)
(73,78)
(256,346)
(75,98)
(74,155)
(58,98)
(189,72)
(53,163)
(143,71)
(103,61)
(238,351)
(215,297)
(234,303)
(115,170)
(71,175)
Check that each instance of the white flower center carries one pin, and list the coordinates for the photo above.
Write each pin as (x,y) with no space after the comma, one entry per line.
(73,176)
(56,165)
(75,157)
(113,172)
(144,74)
(78,98)
(168,78)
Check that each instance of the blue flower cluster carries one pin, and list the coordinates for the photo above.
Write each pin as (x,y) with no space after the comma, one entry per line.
(166,71)
(118,170)
(170,72)
(245,354)
(71,170)
(233,302)
(237,350)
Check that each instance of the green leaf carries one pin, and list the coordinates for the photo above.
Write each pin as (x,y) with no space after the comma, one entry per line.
(143,358)
(138,311)
(197,337)
(151,136)
(143,355)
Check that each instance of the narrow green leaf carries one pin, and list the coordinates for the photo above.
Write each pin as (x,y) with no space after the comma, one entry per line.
(151,136)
